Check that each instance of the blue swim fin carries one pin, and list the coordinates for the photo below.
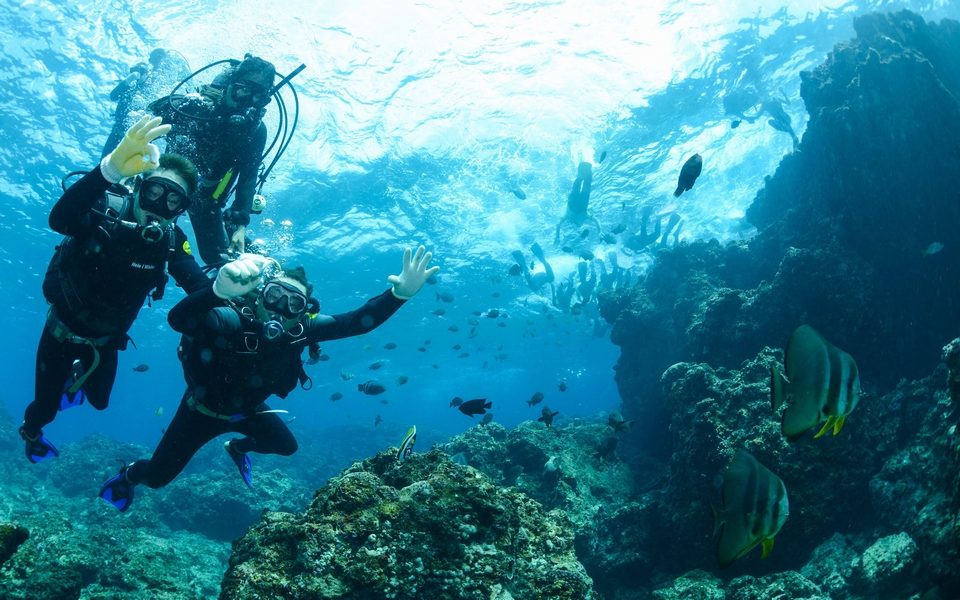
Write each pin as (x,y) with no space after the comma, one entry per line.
(72,398)
(242,460)
(118,491)
(37,448)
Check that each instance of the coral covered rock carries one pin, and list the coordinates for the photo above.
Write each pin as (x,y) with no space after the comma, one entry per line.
(888,563)
(425,528)
(11,536)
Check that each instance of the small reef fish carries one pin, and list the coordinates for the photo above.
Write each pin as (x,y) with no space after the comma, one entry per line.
(346,375)
(535,399)
(562,386)
(487,418)
(520,194)
(755,507)
(376,365)
(603,157)
(688,174)
(377,421)
(463,355)
(421,349)
(439,311)
(371,388)
(546,415)
(445,297)
(406,445)
(477,406)
(142,368)
(493,313)
(735,123)
(619,228)
(821,384)
(389,346)
(619,425)
(932,249)
(456,346)
(335,396)
(453,328)
(402,379)
(159,411)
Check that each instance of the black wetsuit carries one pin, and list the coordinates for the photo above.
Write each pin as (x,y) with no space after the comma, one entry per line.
(231,370)
(227,150)
(96,284)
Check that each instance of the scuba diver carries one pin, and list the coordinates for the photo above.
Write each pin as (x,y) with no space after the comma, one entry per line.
(578,202)
(242,341)
(163,70)
(221,130)
(119,248)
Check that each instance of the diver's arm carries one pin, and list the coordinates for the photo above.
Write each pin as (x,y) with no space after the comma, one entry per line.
(184,268)
(68,215)
(357,322)
(193,313)
(239,213)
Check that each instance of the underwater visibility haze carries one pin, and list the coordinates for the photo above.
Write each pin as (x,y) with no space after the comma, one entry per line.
(752,178)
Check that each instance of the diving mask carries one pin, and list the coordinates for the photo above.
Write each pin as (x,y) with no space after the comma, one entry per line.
(163,197)
(245,93)
(284,299)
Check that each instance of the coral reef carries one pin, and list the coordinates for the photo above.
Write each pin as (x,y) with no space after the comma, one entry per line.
(424,528)
(843,232)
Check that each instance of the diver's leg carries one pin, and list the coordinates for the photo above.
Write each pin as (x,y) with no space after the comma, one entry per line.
(186,434)
(538,252)
(99,384)
(264,434)
(54,364)
(208,231)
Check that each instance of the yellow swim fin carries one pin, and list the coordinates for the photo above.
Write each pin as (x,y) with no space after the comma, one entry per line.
(826,427)
(838,424)
(767,547)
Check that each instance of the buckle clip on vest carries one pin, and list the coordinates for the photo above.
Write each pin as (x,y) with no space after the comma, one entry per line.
(62,333)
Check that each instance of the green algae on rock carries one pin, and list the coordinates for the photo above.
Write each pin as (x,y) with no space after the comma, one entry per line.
(425,528)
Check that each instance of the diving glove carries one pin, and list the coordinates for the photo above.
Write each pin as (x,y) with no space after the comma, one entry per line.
(414,274)
(241,276)
(135,153)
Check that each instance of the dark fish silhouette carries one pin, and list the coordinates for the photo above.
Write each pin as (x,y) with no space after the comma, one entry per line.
(605,451)
(688,174)
(563,386)
(477,406)
(457,346)
(519,193)
(546,415)
(535,399)
(493,313)
(439,311)
(389,346)
(735,123)
(453,328)
(375,365)
(142,368)
(618,424)
(371,388)
(335,396)
(402,379)
(377,421)
(603,156)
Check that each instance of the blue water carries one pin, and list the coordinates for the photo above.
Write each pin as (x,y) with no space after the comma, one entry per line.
(415,125)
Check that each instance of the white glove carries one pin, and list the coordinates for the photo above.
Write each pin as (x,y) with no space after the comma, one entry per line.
(414,275)
(239,239)
(135,153)
(240,276)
